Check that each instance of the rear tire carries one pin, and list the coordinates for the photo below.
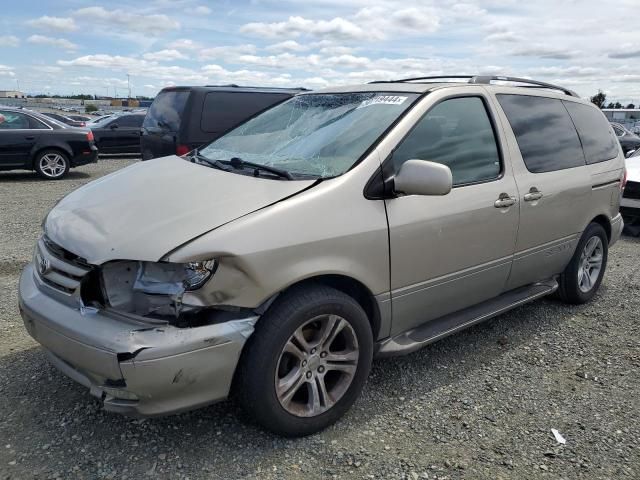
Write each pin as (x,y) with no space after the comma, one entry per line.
(51,164)
(581,279)
(307,361)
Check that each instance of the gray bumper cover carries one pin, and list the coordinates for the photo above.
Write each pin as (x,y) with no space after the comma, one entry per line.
(135,369)
(617,224)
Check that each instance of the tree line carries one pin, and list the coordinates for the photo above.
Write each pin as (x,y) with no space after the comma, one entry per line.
(600,99)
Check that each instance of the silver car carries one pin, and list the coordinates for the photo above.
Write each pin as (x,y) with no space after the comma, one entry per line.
(341,225)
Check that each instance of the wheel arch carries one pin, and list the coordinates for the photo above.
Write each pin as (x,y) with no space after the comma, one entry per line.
(352,287)
(41,148)
(603,221)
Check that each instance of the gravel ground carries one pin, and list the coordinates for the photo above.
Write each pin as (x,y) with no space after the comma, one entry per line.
(479,404)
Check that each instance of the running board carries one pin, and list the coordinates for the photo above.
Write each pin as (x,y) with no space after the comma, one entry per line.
(414,339)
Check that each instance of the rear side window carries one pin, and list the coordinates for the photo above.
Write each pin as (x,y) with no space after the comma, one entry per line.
(36,124)
(130,121)
(618,130)
(598,142)
(456,133)
(546,136)
(224,110)
(166,110)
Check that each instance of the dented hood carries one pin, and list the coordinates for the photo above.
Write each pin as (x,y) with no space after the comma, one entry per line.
(146,210)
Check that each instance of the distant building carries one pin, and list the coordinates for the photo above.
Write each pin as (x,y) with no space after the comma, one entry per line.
(11,94)
(622,115)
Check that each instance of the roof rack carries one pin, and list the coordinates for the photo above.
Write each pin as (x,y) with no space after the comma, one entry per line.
(486,80)
(233,85)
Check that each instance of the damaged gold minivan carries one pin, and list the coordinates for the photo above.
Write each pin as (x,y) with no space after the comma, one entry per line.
(340,225)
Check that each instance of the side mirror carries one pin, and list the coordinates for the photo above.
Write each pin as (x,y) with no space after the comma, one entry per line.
(630,153)
(421,177)
(113,126)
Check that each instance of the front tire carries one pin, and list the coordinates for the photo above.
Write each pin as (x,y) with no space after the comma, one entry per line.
(581,279)
(52,164)
(307,361)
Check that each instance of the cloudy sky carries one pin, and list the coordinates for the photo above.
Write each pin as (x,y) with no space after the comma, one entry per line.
(75,46)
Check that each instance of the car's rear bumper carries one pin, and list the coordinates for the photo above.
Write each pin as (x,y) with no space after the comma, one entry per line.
(617,224)
(630,211)
(134,369)
(90,155)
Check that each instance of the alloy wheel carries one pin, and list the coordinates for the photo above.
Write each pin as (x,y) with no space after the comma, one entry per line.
(53,165)
(316,366)
(590,264)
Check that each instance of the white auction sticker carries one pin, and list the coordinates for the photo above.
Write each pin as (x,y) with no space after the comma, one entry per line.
(384,99)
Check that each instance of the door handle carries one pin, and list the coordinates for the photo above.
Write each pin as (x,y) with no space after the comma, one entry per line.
(504,201)
(533,195)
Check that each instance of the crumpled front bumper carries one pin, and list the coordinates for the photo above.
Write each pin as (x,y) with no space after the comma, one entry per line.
(135,369)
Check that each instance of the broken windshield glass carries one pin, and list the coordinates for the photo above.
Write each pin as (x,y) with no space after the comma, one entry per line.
(322,135)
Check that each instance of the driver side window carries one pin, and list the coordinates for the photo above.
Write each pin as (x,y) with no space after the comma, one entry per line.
(13,121)
(457,133)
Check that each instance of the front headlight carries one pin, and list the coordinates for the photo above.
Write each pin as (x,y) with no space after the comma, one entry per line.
(172,278)
(154,288)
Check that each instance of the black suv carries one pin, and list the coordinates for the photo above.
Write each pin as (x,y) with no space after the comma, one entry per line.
(118,133)
(183,118)
(31,141)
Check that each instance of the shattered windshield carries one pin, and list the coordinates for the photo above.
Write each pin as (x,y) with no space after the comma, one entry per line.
(319,135)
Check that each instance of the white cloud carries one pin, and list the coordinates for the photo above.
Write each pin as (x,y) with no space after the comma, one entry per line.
(371,23)
(229,53)
(184,44)
(200,10)
(332,42)
(9,41)
(47,68)
(407,20)
(572,71)
(287,46)
(625,54)
(104,61)
(6,71)
(151,24)
(337,28)
(136,67)
(59,24)
(52,42)
(167,55)
(348,61)
(546,52)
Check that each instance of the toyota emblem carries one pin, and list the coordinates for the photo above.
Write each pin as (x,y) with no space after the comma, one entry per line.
(43,266)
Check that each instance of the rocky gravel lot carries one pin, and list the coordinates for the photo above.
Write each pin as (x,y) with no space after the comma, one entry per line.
(480,404)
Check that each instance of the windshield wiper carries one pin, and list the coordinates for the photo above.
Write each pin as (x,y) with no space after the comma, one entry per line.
(239,163)
(196,155)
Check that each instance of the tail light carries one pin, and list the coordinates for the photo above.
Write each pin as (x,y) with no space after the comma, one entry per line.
(90,136)
(82,124)
(624,179)
(182,150)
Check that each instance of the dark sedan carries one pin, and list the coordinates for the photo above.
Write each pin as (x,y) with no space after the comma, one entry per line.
(64,119)
(118,133)
(628,141)
(30,141)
